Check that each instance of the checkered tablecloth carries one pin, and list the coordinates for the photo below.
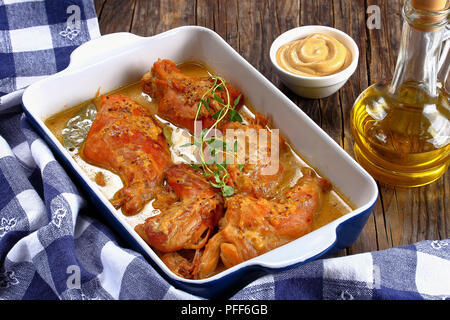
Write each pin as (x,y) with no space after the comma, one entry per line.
(37,38)
(53,246)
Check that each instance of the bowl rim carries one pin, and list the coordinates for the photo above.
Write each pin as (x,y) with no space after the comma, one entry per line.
(339,76)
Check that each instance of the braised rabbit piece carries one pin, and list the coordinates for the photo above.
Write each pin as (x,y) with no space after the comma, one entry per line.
(260,171)
(188,222)
(125,139)
(179,95)
(252,226)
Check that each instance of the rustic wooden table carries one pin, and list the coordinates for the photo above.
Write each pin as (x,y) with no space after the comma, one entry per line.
(401,216)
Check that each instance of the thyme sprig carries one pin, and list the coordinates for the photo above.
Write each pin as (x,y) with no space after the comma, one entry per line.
(219,174)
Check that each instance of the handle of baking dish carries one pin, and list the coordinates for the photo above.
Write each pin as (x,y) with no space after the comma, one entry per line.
(100,48)
(296,252)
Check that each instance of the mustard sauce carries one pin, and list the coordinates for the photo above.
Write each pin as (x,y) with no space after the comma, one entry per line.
(314,56)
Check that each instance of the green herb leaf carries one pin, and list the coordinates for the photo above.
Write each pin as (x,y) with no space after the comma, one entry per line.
(216,143)
(217,177)
(227,191)
(241,167)
(187,144)
(197,142)
(222,166)
(220,174)
(218,114)
(205,103)
(235,116)
(215,185)
(236,101)
(217,98)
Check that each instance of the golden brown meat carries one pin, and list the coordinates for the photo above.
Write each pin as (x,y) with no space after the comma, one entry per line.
(125,139)
(189,222)
(256,168)
(179,95)
(252,226)
(183,263)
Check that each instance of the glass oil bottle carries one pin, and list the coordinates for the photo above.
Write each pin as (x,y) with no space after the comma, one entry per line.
(401,126)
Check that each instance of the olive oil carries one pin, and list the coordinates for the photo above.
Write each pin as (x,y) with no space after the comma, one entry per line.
(401,125)
(402,140)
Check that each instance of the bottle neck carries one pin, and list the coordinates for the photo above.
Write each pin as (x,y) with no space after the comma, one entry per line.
(420,51)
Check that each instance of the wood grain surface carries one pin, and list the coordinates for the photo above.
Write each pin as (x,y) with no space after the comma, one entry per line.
(401,216)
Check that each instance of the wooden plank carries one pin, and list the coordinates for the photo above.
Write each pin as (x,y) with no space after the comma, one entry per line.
(98,4)
(207,14)
(432,197)
(381,58)
(330,107)
(325,112)
(153,17)
(117,16)
(356,28)
(380,65)
(259,23)
(229,14)
(175,13)
(222,17)
(146,18)
(287,17)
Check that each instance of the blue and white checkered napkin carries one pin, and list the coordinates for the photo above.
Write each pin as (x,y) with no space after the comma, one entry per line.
(36,39)
(52,247)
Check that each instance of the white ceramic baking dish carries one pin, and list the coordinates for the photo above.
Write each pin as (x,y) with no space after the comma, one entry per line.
(113,60)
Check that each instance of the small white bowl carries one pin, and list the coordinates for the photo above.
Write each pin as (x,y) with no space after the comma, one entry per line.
(314,87)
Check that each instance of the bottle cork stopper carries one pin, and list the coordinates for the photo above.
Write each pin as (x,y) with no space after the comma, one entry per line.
(429,5)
